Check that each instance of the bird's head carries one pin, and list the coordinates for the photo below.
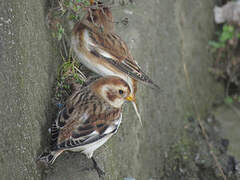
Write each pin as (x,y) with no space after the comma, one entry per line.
(113,90)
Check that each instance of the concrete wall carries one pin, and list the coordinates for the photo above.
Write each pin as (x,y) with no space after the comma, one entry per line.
(28,64)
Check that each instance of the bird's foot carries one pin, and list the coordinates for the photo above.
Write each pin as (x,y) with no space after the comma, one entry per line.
(100,172)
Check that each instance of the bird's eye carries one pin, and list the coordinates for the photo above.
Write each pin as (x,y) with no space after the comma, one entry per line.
(120,91)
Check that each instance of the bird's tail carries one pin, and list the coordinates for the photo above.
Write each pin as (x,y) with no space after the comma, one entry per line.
(48,158)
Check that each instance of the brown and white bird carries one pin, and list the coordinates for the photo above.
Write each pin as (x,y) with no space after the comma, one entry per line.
(90,117)
(101,50)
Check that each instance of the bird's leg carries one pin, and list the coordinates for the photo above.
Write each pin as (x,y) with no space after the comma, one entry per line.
(100,172)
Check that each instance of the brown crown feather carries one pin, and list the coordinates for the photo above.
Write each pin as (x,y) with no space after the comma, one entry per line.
(109,80)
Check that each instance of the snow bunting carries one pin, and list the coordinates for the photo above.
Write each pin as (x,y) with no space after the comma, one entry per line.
(100,49)
(90,117)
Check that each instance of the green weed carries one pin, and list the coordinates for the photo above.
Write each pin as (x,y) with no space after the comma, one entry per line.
(68,74)
(228,33)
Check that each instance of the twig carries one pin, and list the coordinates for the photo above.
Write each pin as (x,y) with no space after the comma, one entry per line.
(81,74)
(64,47)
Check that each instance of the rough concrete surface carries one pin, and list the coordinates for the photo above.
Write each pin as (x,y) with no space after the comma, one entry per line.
(169,40)
(28,63)
(229,116)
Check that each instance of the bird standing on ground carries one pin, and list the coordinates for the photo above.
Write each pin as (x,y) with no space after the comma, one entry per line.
(101,50)
(90,117)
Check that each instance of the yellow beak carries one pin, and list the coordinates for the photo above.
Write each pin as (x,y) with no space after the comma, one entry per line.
(130,98)
(91,2)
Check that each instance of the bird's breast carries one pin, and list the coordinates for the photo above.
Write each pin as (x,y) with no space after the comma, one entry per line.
(98,65)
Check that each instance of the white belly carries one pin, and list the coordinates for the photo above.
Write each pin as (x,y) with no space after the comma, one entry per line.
(90,148)
(97,67)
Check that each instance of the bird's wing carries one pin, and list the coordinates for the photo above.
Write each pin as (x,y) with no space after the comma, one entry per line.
(82,126)
(112,49)
(66,114)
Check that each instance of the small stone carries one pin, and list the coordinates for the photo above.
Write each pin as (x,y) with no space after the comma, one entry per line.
(228,13)
(129,178)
